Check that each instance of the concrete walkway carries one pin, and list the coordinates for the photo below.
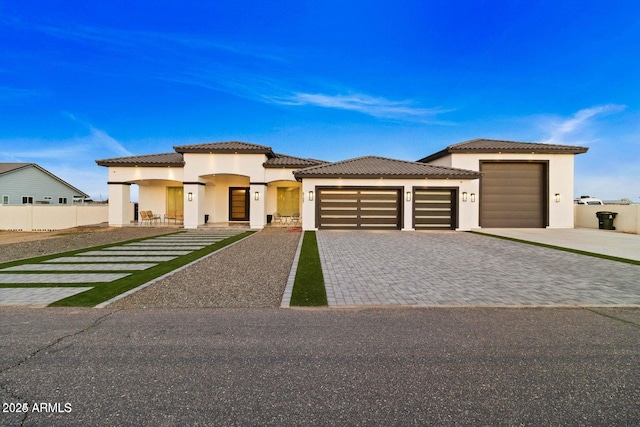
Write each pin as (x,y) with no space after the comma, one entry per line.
(466,269)
(603,242)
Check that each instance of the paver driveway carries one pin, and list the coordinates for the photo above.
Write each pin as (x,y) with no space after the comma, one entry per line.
(457,268)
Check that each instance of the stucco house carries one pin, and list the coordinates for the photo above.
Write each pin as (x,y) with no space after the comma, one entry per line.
(473,184)
(28,183)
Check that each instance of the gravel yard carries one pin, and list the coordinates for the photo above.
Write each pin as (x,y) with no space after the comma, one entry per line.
(251,273)
(37,244)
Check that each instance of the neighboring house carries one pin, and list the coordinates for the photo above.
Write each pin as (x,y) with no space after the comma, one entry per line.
(479,183)
(28,183)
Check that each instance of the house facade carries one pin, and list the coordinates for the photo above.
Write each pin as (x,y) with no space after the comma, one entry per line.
(28,184)
(479,183)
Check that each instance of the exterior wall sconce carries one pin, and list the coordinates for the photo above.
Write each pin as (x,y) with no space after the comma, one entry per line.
(408,198)
(473,197)
(190,196)
(256,195)
(311,196)
(557,197)
(464,196)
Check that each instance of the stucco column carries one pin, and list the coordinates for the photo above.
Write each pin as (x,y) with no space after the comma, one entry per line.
(406,198)
(119,200)
(193,204)
(257,205)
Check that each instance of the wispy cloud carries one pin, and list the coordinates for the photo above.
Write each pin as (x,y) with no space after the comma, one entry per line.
(9,93)
(374,106)
(150,41)
(72,159)
(99,138)
(564,131)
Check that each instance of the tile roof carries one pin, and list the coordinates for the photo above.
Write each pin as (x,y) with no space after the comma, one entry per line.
(225,147)
(498,146)
(381,167)
(286,161)
(162,159)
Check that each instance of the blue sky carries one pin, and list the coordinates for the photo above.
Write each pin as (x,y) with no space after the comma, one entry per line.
(81,81)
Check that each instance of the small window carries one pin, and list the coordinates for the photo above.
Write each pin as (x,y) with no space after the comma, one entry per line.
(62,200)
(27,200)
(48,198)
(5,200)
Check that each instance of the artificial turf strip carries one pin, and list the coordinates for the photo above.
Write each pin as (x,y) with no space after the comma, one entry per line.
(105,291)
(308,287)
(560,248)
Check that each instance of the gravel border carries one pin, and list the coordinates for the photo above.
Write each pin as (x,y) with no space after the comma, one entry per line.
(250,274)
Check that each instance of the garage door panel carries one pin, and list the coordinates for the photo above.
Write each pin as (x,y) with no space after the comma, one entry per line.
(359,208)
(434,209)
(513,195)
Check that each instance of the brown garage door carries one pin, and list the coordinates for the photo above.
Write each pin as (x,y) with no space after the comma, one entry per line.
(513,195)
(371,208)
(434,209)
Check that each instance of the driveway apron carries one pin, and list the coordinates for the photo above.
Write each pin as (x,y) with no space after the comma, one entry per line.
(451,268)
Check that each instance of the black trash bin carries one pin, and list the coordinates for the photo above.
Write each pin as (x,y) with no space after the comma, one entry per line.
(206,218)
(269,219)
(605,220)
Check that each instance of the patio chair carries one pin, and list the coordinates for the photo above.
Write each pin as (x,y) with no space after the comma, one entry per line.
(170,215)
(144,217)
(152,217)
(278,218)
(295,219)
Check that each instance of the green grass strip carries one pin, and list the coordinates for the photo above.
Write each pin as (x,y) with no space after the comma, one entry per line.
(308,287)
(105,291)
(560,248)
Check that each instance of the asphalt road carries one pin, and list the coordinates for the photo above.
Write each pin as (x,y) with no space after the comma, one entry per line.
(320,367)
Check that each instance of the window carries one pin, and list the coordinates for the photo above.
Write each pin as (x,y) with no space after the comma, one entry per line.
(62,200)
(5,200)
(288,201)
(27,200)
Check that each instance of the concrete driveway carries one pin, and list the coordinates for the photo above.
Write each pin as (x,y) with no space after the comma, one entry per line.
(462,269)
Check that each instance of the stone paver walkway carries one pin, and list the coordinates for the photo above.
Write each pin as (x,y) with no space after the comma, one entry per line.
(456,268)
(36,296)
(60,277)
(97,266)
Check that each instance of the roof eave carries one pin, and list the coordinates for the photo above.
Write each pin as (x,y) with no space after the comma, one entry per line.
(203,150)
(379,176)
(138,165)
(577,150)
(434,156)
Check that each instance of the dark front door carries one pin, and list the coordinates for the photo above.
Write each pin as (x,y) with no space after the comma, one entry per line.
(239,204)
